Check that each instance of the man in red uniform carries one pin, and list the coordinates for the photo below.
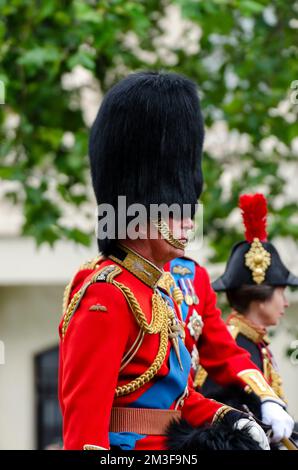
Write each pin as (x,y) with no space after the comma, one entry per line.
(124,373)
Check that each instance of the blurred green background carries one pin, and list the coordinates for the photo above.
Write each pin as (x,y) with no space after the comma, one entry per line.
(243,55)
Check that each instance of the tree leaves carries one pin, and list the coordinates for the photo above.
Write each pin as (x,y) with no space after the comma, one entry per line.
(244,68)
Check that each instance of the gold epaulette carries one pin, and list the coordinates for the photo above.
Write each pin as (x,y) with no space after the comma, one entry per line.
(105,274)
(90,264)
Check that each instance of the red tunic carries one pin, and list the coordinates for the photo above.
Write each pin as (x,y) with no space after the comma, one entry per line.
(90,360)
(215,349)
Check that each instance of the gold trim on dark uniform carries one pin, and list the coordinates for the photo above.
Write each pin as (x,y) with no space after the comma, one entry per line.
(257,335)
(246,328)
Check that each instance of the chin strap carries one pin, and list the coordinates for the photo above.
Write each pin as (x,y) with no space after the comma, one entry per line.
(167,234)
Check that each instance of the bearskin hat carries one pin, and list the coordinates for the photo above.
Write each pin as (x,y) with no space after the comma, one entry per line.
(146,143)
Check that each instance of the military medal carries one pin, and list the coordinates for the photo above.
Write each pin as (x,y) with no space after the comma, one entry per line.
(195,325)
(187,296)
(194,296)
(195,358)
(188,299)
(177,295)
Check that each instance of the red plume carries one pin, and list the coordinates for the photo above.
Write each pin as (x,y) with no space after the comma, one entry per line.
(254,214)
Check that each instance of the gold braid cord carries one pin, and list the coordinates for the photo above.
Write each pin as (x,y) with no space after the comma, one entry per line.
(66,296)
(159,324)
(72,307)
(75,301)
(159,308)
(151,371)
(272,376)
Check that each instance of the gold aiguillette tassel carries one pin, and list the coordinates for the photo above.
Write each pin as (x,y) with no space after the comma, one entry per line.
(177,295)
(175,344)
(173,335)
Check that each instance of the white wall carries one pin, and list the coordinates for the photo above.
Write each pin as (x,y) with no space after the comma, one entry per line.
(22,263)
(288,371)
(29,318)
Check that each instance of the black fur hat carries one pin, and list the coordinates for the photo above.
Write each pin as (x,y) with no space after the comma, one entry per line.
(182,437)
(146,143)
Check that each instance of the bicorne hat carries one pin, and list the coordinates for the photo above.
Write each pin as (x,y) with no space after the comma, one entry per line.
(254,261)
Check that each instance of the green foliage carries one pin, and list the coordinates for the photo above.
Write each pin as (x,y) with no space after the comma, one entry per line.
(252,40)
(40,42)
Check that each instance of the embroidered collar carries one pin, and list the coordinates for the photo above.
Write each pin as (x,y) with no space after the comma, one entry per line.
(244,326)
(143,269)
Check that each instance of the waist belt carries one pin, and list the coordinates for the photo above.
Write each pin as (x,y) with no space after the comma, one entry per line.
(142,420)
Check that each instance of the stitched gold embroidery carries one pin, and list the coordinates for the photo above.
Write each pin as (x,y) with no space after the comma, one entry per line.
(257,259)
(255,380)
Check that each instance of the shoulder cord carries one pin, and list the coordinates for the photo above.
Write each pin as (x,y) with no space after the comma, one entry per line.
(91,264)
(159,324)
(161,318)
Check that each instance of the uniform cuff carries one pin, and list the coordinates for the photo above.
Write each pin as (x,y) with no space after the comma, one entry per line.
(93,447)
(255,382)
